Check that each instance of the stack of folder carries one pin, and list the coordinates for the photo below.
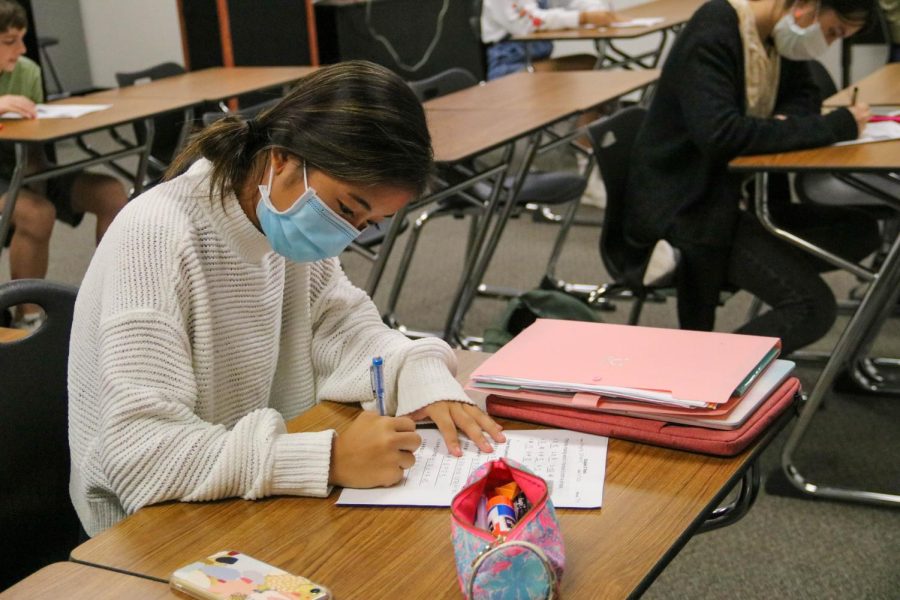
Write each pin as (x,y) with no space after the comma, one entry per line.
(702,391)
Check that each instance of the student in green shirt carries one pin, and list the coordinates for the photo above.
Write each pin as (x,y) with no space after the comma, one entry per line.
(67,197)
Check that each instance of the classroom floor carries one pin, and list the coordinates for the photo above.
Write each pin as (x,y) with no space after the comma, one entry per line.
(786,546)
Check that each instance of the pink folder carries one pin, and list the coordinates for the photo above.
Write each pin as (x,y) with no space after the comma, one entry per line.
(692,365)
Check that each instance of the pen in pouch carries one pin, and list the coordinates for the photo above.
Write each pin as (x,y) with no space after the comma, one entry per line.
(376,372)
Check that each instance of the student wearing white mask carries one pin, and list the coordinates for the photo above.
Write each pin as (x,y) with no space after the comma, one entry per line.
(734,84)
(215,309)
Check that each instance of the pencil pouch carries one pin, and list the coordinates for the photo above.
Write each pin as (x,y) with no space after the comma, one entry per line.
(525,562)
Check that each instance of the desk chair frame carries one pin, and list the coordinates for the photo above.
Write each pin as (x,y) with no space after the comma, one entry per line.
(876,305)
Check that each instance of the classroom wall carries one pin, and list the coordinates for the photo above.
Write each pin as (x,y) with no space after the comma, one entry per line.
(62,19)
(115,41)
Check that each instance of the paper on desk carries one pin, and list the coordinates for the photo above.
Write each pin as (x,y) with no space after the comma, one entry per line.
(572,463)
(60,111)
(642,22)
(881,131)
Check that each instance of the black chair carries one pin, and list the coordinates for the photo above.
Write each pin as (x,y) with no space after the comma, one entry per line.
(612,139)
(877,32)
(538,189)
(38,522)
(167,127)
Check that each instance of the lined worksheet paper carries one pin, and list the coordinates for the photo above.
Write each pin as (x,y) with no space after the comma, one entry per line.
(572,463)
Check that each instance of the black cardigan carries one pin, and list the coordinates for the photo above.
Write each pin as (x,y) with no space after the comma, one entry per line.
(679,187)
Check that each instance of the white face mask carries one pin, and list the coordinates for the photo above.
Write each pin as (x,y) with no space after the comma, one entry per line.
(799,43)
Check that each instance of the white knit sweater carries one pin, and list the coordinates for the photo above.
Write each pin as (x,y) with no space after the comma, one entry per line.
(500,18)
(193,342)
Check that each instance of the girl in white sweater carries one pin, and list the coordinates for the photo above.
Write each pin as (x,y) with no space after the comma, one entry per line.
(215,308)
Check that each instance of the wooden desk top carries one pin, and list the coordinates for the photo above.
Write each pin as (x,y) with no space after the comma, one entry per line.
(10,335)
(72,581)
(653,498)
(122,111)
(673,12)
(881,88)
(871,157)
(214,84)
(572,90)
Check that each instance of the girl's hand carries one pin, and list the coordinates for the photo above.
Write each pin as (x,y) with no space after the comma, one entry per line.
(597,18)
(450,416)
(19,105)
(862,114)
(373,451)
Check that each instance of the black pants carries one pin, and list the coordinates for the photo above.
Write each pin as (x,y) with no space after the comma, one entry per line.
(786,278)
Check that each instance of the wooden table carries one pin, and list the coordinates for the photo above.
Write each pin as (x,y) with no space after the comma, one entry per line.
(11,335)
(675,13)
(653,500)
(72,581)
(881,88)
(876,305)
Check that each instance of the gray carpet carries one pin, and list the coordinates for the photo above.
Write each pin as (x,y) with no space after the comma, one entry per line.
(786,546)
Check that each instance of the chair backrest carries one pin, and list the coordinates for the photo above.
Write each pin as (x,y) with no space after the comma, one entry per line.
(876,32)
(37,519)
(248,112)
(445,82)
(167,127)
(612,140)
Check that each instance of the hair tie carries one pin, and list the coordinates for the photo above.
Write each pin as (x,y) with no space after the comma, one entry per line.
(254,131)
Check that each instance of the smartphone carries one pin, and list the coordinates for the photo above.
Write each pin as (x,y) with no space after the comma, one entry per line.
(229,574)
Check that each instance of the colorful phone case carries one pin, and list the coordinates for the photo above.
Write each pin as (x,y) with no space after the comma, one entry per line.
(230,575)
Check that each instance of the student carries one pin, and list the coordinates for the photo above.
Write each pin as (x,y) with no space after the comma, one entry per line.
(735,83)
(215,309)
(502,18)
(67,197)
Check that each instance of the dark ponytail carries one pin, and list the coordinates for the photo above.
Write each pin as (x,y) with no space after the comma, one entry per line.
(356,121)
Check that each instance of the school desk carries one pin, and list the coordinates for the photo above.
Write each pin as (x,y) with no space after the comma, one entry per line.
(654,499)
(473,121)
(11,335)
(877,303)
(23,133)
(674,14)
(880,88)
(73,581)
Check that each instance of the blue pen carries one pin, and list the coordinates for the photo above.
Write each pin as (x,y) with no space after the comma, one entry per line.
(376,371)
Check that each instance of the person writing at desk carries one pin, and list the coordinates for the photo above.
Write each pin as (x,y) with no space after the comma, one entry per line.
(501,19)
(736,83)
(38,206)
(215,308)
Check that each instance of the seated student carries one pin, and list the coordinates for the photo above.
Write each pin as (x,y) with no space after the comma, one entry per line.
(735,83)
(502,18)
(67,197)
(215,308)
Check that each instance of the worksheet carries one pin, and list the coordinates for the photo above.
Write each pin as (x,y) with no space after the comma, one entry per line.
(572,463)
(60,111)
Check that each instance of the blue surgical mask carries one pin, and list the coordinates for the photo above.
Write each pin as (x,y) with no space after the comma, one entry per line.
(307,231)
(799,43)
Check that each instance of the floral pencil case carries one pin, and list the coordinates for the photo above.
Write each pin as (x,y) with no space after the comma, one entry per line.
(506,548)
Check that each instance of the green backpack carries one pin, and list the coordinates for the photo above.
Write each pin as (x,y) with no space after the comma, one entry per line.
(524,310)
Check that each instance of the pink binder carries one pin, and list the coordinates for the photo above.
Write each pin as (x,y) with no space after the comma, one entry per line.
(694,365)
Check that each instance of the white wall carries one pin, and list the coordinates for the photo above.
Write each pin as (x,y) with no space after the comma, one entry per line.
(129,35)
(62,19)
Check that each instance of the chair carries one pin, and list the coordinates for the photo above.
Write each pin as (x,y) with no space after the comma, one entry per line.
(167,127)
(612,139)
(545,189)
(877,32)
(37,519)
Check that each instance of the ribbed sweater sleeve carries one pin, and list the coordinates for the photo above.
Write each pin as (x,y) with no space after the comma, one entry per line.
(348,333)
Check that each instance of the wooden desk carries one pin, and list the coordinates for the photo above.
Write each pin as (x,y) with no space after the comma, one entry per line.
(568,90)
(653,500)
(877,303)
(881,88)
(675,13)
(72,581)
(11,335)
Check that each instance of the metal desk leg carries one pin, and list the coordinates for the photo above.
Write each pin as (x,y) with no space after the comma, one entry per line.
(15,184)
(734,512)
(884,289)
